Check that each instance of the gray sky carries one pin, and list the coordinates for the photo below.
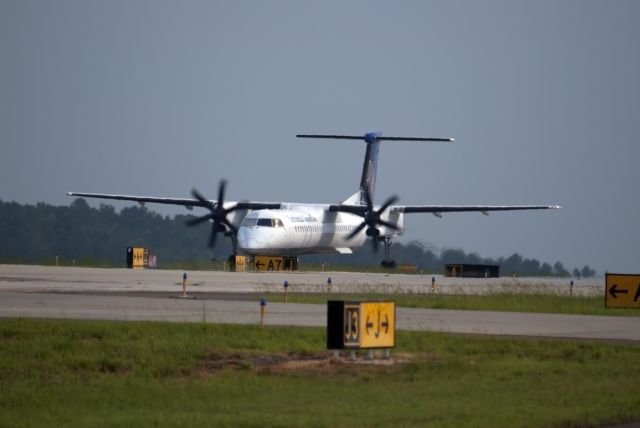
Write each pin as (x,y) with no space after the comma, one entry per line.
(155,97)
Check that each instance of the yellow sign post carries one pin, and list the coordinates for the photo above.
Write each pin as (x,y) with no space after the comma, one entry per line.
(265,263)
(622,291)
(138,258)
(240,263)
(377,325)
(361,325)
(274,263)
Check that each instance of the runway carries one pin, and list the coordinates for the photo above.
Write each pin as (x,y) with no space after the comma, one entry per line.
(121,294)
(77,279)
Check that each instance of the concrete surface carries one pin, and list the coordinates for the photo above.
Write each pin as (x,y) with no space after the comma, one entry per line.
(123,294)
(48,278)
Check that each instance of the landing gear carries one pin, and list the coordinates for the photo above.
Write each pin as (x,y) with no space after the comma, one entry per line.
(387,262)
(391,264)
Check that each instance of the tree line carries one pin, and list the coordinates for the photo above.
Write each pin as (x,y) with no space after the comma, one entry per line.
(428,260)
(99,236)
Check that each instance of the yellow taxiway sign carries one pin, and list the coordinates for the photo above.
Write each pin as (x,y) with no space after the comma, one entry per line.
(622,291)
(377,325)
(361,325)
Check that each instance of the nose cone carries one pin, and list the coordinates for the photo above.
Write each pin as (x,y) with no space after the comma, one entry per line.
(252,240)
(246,240)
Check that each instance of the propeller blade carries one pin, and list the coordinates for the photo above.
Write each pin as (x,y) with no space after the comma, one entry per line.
(230,225)
(356,230)
(221,191)
(201,198)
(198,220)
(358,210)
(214,234)
(387,224)
(217,213)
(230,209)
(392,200)
(371,218)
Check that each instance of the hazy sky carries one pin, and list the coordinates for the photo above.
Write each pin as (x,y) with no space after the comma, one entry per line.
(156,97)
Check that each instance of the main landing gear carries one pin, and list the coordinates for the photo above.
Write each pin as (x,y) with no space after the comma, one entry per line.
(387,262)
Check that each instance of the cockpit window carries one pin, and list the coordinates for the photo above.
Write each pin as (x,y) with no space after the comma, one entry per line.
(249,222)
(264,222)
(277,222)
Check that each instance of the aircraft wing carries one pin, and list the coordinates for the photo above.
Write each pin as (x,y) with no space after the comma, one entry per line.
(185,202)
(484,209)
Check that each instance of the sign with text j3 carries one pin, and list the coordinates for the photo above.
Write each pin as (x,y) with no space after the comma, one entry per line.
(361,325)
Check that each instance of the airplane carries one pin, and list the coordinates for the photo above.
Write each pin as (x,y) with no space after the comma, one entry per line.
(293,229)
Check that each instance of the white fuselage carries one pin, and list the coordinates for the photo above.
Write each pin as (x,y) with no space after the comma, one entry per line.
(299,229)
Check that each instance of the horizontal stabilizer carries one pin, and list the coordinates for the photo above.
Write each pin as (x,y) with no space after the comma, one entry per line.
(373,136)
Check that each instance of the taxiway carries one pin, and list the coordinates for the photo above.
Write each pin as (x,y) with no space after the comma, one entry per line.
(121,294)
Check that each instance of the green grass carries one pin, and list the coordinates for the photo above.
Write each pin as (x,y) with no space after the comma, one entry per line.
(100,374)
(505,302)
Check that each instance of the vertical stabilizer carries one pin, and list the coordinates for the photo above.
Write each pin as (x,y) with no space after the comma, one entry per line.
(369,166)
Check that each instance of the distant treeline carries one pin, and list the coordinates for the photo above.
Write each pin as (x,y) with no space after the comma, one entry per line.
(415,253)
(88,236)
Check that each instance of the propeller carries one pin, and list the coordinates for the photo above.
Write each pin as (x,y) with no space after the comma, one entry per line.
(372,219)
(217,213)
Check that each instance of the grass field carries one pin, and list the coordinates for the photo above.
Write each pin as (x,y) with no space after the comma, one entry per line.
(99,374)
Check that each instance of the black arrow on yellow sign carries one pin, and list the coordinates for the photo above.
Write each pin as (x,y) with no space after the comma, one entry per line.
(614,291)
(368,325)
(385,324)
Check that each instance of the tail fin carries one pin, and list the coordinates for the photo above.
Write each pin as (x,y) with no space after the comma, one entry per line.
(370,166)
